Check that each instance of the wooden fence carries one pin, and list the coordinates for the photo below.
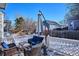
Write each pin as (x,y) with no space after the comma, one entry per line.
(65,34)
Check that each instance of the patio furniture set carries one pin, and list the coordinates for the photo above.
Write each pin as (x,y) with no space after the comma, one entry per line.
(32,47)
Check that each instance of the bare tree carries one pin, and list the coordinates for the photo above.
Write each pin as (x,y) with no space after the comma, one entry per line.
(30,25)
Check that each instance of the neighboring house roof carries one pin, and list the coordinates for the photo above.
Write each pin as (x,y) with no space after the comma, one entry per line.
(53,23)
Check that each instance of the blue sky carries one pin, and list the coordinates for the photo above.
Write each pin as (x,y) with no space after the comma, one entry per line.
(51,11)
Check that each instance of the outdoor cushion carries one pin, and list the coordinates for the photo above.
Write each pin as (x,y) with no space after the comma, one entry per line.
(30,41)
(35,40)
(11,45)
(4,45)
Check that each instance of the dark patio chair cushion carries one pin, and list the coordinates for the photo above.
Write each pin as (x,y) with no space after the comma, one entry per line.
(30,41)
(35,40)
(11,45)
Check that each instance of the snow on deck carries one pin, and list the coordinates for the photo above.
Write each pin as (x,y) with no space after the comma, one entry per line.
(64,46)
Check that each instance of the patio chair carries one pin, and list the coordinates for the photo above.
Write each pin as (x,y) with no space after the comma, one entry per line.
(36,43)
(9,49)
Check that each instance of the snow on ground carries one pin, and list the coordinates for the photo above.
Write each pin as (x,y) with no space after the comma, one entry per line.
(64,46)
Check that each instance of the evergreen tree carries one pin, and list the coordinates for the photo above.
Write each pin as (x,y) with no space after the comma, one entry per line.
(19,23)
